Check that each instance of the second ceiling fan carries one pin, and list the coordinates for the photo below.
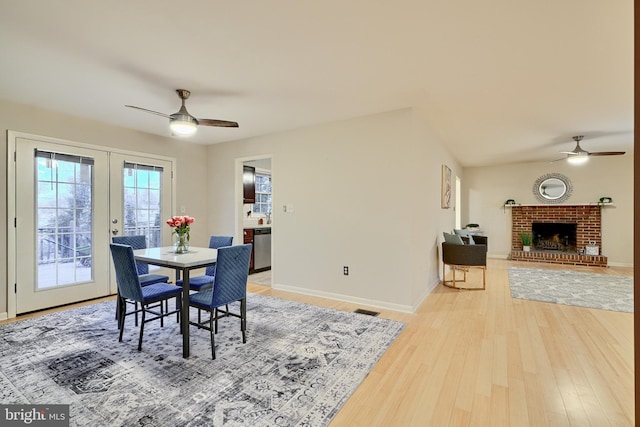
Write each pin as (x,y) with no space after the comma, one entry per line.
(184,124)
(580,155)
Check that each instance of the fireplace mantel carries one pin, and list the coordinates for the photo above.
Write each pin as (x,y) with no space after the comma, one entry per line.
(560,204)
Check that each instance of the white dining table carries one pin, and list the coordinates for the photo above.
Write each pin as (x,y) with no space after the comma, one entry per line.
(182,263)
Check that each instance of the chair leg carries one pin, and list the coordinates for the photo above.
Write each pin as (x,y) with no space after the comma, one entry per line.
(243,319)
(213,344)
(135,306)
(142,328)
(215,313)
(122,314)
(118,308)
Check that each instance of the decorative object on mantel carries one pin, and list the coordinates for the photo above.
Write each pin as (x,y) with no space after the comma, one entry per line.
(446,187)
(509,203)
(526,238)
(552,188)
(605,200)
(181,226)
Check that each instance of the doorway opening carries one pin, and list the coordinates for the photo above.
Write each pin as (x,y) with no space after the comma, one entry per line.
(255,219)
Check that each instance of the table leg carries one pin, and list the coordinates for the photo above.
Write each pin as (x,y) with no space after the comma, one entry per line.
(185,313)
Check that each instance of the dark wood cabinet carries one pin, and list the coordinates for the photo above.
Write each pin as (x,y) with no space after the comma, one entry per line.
(249,184)
(248,238)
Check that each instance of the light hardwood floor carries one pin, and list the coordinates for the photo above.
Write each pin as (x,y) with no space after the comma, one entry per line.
(481,358)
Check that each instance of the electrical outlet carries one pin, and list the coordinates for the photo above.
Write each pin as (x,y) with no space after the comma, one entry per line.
(345,270)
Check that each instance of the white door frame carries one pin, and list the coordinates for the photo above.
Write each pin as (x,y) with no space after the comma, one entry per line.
(12,137)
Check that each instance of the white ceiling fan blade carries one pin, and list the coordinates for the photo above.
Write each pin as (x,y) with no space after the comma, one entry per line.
(149,111)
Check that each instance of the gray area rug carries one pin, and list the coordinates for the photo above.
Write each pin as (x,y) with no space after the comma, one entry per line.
(299,366)
(602,291)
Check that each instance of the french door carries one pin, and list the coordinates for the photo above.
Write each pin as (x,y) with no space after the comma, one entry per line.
(69,201)
(140,199)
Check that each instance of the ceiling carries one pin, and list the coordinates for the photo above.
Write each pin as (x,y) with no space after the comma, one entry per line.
(498,81)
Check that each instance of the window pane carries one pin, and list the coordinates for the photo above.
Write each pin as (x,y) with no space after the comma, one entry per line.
(66,195)
(64,218)
(263,194)
(83,196)
(46,194)
(129,218)
(142,179)
(154,180)
(66,171)
(154,199)
(143,202)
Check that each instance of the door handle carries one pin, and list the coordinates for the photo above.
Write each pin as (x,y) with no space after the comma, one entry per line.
(114,231)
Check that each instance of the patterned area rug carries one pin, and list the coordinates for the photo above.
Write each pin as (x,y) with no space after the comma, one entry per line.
(603,291)
(299,366)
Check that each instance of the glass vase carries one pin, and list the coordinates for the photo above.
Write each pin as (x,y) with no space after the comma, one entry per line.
(181,245)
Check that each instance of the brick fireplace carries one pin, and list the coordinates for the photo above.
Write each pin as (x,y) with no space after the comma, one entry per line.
(585,219)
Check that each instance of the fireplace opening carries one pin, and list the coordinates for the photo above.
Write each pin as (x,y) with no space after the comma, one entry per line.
(554,236)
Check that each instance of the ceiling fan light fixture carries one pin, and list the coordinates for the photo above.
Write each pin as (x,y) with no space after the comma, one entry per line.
(578,159)
(183,125)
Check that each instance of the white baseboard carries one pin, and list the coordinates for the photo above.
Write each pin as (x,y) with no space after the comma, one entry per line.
(497,256)
(620,264)
(345,298)
(4,316)
(426,293)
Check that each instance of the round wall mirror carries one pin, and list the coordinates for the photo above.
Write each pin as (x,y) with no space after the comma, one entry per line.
(552,188)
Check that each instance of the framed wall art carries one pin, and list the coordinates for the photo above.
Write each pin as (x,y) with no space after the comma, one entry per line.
(446,187)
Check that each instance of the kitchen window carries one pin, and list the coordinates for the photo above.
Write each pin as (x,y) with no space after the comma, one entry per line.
(263,193)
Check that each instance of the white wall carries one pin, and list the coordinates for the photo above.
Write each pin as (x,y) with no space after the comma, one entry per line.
(191,162)
(487,188)
(366,194)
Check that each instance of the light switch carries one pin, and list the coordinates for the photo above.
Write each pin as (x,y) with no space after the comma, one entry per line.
(290,208)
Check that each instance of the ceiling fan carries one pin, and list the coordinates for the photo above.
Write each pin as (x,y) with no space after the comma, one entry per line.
(579,155)
(184,124)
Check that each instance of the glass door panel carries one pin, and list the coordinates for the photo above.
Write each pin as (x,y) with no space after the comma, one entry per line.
(60,224)
(143,200)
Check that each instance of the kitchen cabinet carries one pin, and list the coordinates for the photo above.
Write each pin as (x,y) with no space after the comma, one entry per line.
(248,238)
(249,184)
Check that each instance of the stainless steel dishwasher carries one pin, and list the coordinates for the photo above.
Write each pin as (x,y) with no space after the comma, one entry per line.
(262,249)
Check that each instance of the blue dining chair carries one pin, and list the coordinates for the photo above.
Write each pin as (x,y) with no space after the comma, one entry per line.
(200,283)
(229,286)
(130,289)
(140,242)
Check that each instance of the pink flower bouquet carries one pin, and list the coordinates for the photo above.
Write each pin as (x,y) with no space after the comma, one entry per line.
(180,225)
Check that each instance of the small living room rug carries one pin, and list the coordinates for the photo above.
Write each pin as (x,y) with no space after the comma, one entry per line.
(601,291)
(298,367)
